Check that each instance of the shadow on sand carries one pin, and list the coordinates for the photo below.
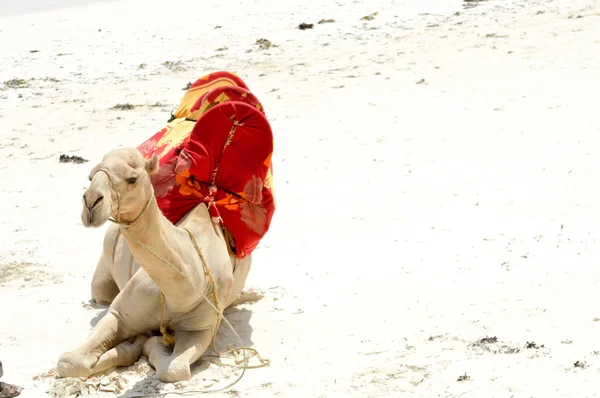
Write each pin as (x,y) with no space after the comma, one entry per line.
(94,321)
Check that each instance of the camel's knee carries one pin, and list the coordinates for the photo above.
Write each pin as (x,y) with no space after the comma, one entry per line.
(104,290)
(104,287)
(74,364)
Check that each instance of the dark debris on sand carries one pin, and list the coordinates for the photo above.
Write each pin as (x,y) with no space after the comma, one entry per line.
(124,107)
(493,346)
(532,345)
(264,44)
(369,17)
(471,3)
(488,340)
(71,159)
(174,66)
(15,83)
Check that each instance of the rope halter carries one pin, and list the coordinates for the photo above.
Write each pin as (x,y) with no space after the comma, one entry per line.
(113,187)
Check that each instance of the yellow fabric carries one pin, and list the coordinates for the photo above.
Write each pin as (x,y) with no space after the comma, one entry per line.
(195,93)
(195,115)
(176,132)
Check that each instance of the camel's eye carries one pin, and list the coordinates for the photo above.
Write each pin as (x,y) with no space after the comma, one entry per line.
(131,180)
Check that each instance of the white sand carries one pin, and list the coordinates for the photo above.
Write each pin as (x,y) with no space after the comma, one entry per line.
(413,219)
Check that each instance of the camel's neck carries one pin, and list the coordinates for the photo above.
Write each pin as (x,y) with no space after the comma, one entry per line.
(147,240)
(149,225)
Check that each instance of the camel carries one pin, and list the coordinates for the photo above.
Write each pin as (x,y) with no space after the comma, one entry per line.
(134,280)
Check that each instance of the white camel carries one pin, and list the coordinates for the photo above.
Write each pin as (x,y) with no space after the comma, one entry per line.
(132,279)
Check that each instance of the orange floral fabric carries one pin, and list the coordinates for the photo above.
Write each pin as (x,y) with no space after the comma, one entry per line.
(218,151)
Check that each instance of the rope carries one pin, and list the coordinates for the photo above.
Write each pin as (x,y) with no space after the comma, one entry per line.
(127,224)
(212,190)
(113,187)
(244,349)
(208,274)
(167,338)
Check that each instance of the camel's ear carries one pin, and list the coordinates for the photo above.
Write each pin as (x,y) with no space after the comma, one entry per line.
(152,164)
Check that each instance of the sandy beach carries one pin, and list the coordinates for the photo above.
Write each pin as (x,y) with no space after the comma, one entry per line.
(435,171)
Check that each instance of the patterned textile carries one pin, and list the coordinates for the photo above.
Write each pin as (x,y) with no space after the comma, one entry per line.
(217,150)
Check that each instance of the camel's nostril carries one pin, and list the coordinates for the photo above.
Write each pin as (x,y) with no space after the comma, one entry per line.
(100,198)
(86,200)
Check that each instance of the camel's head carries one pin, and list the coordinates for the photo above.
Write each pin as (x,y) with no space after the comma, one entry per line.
(120,187)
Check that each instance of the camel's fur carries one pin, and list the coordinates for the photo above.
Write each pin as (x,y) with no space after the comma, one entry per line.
(130,278)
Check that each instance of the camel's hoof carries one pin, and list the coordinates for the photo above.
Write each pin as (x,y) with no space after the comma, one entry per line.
(71,364)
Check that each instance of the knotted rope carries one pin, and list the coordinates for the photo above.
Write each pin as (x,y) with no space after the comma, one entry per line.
(212,189)
(168,339)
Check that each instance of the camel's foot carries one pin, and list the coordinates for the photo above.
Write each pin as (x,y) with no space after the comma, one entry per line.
(75,364)
(173,371)
(123,354)
(169,369)
(247,296)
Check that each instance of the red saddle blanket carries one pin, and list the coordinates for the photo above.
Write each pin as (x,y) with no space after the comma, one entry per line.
(217,149)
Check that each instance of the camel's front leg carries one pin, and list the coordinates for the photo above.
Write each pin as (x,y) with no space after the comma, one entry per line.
(104,288)
(84,360)
(123,354)
(189,346)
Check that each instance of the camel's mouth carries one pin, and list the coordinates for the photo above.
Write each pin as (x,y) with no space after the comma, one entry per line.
(90,220)
(94,217)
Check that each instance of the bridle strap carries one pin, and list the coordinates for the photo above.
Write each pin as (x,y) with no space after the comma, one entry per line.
(127,224)
(113,187)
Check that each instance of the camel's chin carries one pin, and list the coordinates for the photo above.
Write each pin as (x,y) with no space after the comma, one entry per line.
(93,218)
